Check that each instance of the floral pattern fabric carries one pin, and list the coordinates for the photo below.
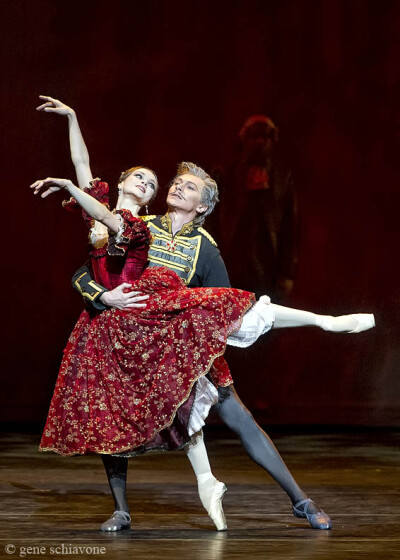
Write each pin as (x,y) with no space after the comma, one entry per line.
(127,378)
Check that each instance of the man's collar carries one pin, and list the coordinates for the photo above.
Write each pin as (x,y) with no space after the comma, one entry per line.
(167,225)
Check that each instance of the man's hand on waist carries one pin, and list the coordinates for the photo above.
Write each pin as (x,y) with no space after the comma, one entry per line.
(122,298)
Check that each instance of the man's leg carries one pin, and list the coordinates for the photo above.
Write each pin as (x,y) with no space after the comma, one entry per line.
(260,448)
(117,470)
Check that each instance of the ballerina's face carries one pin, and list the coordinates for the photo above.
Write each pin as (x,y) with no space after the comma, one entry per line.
(185,194)
(141,184)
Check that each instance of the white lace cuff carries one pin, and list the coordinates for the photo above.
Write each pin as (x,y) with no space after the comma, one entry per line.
(256,322)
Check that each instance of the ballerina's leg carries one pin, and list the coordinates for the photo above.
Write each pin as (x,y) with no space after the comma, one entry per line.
(288,317)
(211,490)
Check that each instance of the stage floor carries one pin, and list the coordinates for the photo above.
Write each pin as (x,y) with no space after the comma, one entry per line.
(54,505)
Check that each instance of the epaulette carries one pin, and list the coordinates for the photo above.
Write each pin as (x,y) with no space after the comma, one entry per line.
(147,218)
(207,235)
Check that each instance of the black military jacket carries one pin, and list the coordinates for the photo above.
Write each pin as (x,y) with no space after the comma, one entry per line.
(192,253)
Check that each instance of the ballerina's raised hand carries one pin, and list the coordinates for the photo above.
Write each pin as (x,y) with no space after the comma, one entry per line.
(52,105)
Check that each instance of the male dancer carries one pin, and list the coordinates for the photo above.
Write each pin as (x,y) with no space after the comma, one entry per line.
(181,244)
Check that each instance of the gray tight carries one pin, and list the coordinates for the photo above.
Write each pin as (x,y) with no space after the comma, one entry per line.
(256,442)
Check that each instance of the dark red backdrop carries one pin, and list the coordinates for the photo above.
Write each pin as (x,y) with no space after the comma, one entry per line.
(162,81)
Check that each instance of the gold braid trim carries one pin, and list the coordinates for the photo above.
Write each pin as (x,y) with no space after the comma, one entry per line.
(148,218)
(92,284)
(208,236)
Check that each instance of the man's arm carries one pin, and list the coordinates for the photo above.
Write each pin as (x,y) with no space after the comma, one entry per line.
(91,292)
(98,298)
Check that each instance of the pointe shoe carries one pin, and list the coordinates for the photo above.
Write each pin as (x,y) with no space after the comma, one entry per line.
(211,494)
(340,324)
(317,520)
(365,321)
(119,521)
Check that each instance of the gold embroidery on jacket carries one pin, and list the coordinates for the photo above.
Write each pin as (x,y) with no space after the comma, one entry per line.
(92,284)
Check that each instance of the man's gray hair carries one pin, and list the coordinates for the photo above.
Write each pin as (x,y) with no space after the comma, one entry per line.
(209,195)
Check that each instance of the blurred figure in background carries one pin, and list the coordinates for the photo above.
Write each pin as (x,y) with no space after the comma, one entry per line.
(258,192)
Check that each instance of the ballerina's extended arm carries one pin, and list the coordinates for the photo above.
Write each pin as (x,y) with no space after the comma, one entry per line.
(79,151)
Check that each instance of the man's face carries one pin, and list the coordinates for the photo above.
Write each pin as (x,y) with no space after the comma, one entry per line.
(185,194)
(258,142)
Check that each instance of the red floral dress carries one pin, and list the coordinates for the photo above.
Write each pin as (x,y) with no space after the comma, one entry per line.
(127,378)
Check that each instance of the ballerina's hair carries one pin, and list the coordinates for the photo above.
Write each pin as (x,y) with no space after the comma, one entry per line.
(125,174)
(209,195)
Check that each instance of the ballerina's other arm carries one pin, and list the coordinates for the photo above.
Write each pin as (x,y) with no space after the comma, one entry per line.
(92,206)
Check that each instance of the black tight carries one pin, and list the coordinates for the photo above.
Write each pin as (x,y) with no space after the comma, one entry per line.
(116,469)
(256,442)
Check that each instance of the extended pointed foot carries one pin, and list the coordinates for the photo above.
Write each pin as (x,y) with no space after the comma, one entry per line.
(364,322)
(355,323)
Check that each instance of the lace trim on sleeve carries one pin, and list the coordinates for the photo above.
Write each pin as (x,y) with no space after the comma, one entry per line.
(97,188)
(131,231)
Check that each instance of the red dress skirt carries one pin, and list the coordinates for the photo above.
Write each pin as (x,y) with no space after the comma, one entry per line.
(127,378)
